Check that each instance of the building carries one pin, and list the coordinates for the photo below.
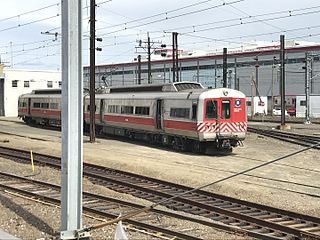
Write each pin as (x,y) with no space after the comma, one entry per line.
(253,69)
(14,82)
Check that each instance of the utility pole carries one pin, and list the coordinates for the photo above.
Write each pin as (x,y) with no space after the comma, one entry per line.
(308,71)
(282,82)
(92,69)
(149,48)
(257,71)
(173,58)
(236,79)
(149,60)
(175,67)
(72,121)
(139,69)
(225,68)
(177,56)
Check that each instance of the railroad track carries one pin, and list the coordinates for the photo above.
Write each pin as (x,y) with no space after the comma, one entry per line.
(253,219)
(295,138)
(154,221)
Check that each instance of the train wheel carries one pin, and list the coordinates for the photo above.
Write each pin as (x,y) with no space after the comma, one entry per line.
(197,147)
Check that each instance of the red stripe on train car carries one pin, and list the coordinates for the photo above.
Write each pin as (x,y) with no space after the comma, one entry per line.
(46,112)
(180,125)
(128,119)
(87,116)
(24,110)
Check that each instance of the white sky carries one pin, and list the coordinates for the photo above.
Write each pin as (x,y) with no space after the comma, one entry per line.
(26,47)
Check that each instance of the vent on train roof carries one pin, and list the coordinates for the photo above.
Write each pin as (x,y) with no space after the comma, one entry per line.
(168,87)
(47,91)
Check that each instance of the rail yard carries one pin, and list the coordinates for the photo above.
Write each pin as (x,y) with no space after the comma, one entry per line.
(277,201)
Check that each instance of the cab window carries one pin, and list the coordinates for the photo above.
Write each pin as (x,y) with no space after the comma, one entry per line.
(211,109)
(225,109)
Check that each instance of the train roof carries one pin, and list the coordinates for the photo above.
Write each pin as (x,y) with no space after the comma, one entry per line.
(190,94)
(165,87)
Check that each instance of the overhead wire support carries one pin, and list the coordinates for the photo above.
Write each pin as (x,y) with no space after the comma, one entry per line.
(92,70)
(149,47)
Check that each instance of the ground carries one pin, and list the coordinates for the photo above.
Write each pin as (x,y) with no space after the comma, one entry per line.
(291,184)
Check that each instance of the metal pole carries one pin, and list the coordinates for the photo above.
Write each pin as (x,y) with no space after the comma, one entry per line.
(149,60)
(177,57)
(236,82)
(173,58)
(282,81)
(92,70)
(198,69)
(257,72)
(272,88)
(72,110)
(307,88)
(225,68)
(139,69)
(215,73)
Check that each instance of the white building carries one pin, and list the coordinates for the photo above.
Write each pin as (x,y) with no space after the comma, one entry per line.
(259,106)
(314,106)
(14,82)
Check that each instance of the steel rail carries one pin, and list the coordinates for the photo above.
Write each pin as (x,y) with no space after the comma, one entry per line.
(97,204)
(300,139)
(251,217)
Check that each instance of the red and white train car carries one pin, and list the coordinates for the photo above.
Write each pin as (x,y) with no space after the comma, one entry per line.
(183,115)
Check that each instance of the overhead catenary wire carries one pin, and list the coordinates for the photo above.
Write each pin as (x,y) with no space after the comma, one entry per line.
(148,208)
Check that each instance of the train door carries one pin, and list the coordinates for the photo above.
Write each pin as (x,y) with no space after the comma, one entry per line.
(225,110)
(159,114)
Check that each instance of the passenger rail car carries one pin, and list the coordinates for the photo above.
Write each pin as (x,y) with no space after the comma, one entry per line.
(182,115)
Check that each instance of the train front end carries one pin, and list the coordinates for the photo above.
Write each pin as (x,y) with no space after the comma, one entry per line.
(222,121)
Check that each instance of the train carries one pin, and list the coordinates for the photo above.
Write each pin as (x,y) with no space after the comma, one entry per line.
(183,115)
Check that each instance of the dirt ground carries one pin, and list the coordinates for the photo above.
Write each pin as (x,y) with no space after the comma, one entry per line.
(292,183)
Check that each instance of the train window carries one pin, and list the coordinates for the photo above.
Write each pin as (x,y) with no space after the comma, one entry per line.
(180,112)
(88,108)
(113,109)
(44,105)
(211,109)
(303,103)
(26,84)
(225,109)
(53,105)
(36,105)
(142,110)
(22,104)
(127,109)
(194,111)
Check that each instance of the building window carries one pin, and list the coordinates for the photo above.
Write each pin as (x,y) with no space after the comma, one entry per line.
(49,84)
(303,103)
(142,110)
(14,83)
(180,112)
(26,84)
